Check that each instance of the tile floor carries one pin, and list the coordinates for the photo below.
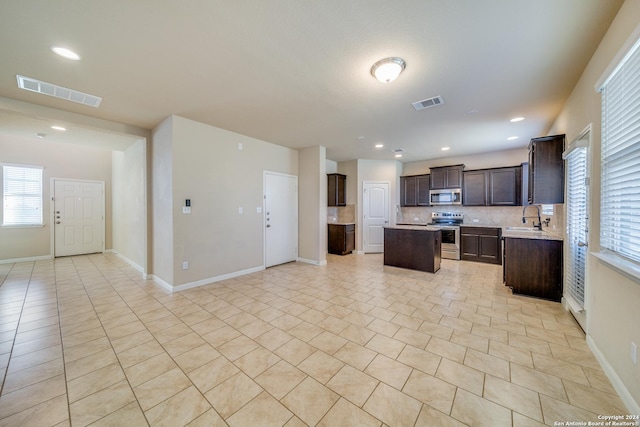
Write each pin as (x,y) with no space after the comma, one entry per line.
(86,341)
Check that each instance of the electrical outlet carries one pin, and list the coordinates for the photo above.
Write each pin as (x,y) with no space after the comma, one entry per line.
(476,220)
(634,353)
(185,265)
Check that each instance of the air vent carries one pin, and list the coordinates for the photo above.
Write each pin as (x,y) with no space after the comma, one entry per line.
(33,85)
(397,150)
(428,103)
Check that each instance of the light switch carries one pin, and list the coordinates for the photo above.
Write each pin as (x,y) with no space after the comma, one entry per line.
(186,209)
(259,209)
(240,210)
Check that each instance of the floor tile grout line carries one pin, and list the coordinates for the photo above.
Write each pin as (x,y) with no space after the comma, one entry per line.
(15,334)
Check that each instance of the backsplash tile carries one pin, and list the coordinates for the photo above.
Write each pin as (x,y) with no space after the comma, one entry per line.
(341,214)
(490,216)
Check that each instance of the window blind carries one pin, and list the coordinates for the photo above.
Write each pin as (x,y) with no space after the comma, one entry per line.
(620,191)
(22,195)
(577,223)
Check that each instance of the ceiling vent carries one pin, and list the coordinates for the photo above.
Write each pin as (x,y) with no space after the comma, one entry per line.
(428,103)
(397,150)
(33,85)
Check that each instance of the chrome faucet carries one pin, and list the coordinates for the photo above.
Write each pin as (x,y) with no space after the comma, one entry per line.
(524,218)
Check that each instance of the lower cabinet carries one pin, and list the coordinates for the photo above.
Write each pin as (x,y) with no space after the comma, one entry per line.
(533,267)
(481,244)
(342,238)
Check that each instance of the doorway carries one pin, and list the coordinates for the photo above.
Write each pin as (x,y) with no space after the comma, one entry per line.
(375,215)
(575,263)
(78,217)
(280,218)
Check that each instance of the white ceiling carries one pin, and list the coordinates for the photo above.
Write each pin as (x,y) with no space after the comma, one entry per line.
(296,72)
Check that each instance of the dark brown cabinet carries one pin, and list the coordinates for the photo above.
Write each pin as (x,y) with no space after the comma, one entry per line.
(446,177)
(546,170)
(342,238)
(481,244)
(414,249)
(414,190)
(336,189)
(492,187)
(533,267)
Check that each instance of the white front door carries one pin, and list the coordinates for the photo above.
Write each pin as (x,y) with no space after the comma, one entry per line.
(78,217)
(375,215)
(280,218)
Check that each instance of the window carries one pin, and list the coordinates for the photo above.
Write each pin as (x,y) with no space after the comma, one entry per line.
(620,191)
(21,195)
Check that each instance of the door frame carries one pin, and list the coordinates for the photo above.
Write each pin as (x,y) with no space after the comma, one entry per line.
(581,316)
(264,210)
(362,220)
(52,183)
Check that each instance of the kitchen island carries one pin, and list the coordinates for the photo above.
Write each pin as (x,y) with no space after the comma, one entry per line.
(412,247)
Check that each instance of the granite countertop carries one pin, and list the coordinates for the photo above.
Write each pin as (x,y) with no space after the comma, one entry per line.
(416,227)
(341,223)
(540,235)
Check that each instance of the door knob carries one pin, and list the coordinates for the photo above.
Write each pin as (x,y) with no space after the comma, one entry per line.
(582,244)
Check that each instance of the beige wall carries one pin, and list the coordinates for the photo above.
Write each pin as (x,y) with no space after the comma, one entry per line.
(204,164)
(129,178)
(162,201)
(65,161)
(479,161)
(612,300)
(312,202)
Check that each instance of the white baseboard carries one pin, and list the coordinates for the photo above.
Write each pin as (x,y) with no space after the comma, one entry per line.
(27,259)
(203,282)
(128,261)
(311,261)
(632,406)
(161,282)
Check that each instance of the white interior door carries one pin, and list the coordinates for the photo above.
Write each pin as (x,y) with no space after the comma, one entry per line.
(280,218)
(375,215)
(577,205)
(78,208)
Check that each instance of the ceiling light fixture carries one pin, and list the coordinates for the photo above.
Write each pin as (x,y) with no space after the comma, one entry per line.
(388,69)
(445,148)
(60,128)
(379,145)
(511,138)
(517,119)
(65,53)
(398,156)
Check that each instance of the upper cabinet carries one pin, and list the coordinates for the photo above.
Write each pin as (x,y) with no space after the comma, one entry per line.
(336,189)
(546,170)
(446,177)
(414,190)
(492,187)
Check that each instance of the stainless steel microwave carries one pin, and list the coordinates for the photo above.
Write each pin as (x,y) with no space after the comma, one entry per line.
(450,196)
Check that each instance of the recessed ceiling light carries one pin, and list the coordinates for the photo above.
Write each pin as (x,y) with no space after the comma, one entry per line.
(388,69)
(379,145)
(56,127)
(445,148)
(511,138)
(361,137)
(65,53)
(398,156)
(517,119)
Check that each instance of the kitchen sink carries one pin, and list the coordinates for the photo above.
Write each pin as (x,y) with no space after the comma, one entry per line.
(524,230)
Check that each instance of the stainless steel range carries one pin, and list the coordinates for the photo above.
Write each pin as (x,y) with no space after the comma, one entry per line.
(449,223)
